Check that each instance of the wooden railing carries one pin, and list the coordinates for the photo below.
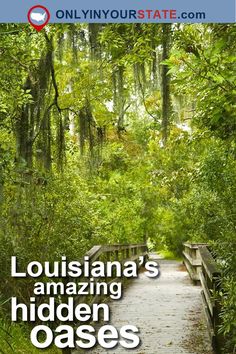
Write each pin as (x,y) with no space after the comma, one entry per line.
(121,253)
(192,259)
(202,267)
(210,276)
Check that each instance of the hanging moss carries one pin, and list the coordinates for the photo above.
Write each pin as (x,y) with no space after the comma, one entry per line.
(83,129)
(121,99)
(95,45)
(73,37)
(60,141)
(31,120)
(166,109)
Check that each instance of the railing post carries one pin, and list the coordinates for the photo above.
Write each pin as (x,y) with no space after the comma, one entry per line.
(123,254)
(117,255)
(192,260)
(209,276)
(108,256)
(219,340)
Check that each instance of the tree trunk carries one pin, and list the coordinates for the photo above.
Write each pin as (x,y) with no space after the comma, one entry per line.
(166,109)
(24,143)
(121,100)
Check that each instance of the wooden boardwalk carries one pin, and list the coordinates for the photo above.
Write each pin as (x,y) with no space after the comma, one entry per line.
(167,311)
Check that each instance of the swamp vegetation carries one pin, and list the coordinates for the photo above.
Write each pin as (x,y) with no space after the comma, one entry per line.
(115,133)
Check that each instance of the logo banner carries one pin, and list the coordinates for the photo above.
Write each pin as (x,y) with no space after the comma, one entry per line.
(126,11)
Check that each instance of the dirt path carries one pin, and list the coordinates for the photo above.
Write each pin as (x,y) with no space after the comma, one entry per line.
(167,311)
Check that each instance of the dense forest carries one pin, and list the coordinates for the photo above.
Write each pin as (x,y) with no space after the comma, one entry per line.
(116,133)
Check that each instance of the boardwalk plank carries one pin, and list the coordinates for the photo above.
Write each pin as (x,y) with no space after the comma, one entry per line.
(168,312)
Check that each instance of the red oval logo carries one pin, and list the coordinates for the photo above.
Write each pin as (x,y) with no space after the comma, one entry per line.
(38,17)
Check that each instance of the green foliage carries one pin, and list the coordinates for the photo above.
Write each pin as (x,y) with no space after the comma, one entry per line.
(82,160)
(14,338)
(35,220)
(202,65)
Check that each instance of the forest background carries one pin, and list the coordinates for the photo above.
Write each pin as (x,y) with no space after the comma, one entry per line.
(115,133)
